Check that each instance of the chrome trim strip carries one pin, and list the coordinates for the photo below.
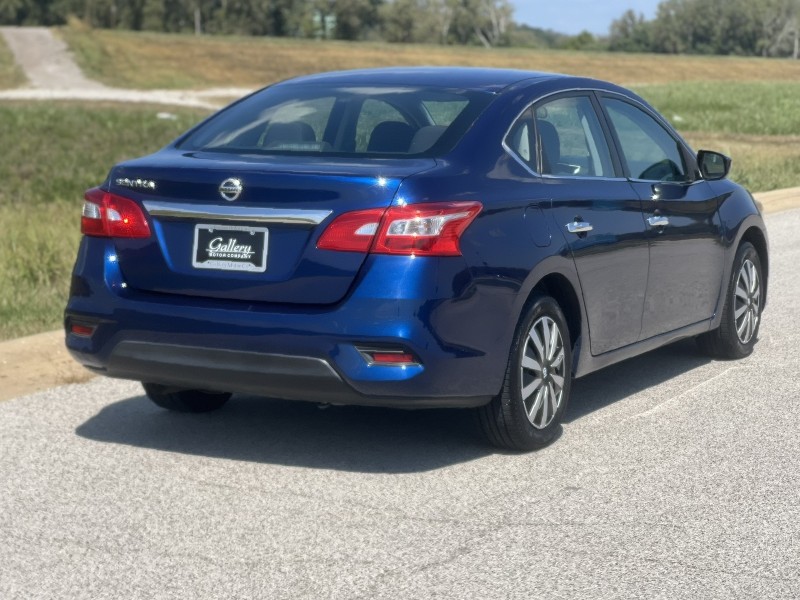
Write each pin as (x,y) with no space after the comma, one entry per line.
(172,210)
(644,107)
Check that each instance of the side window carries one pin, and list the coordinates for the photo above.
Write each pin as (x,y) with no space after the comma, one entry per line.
(649,150)
(571,139)
(520,139)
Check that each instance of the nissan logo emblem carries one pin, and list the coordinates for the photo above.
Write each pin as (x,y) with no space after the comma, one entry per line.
(231,189)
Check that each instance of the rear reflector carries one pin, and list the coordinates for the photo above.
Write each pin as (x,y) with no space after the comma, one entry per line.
(109,215)
(81,330)
(391,358)
(432,229)
(388,357)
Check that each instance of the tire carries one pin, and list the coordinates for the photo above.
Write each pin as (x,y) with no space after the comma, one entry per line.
(737,335)
(521,417)
(181,400)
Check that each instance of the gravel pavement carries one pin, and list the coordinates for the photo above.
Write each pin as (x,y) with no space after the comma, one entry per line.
(45,59)
(53,74)
(675,477)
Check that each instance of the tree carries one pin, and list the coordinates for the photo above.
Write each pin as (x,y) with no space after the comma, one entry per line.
(492,18)
(630,33)
(399,20)
(746,27)
(12,11)
(356,19)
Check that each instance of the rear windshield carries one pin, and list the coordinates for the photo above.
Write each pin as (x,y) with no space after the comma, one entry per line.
(341,121)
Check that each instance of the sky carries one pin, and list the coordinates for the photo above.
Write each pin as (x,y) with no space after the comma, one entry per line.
(574,16)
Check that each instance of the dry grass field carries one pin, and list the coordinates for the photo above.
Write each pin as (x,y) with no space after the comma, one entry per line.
(10,75)
(152,60)
(746,107)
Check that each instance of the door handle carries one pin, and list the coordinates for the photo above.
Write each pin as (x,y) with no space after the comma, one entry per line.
(579,227)
(658,221)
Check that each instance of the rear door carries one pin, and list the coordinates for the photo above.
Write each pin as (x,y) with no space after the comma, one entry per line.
(600,215)
(683,225)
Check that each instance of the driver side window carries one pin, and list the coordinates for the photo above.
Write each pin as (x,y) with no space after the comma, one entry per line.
(651,153)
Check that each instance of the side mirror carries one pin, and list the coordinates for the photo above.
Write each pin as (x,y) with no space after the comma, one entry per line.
(713,165)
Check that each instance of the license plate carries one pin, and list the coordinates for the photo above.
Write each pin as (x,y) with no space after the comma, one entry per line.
(230,248)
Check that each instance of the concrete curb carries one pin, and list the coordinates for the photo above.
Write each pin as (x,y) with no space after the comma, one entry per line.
(778,200)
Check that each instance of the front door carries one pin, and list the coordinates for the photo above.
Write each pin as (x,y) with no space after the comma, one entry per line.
(683,226)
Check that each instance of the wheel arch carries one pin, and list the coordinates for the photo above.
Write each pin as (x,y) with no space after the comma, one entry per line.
(756,237)
(561,290)
(567,293)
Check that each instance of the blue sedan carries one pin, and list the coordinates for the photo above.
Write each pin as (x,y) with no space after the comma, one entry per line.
(420,237)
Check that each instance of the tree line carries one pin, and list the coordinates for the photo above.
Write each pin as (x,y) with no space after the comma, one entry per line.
(486,22)
(741,27)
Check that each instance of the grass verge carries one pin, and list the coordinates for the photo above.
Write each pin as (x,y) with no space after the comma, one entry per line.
(762,108)
(10,74)
(187,61)
(54,152)
(756,123)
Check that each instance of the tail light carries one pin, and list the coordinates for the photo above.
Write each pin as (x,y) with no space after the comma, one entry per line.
(432,229)
(108,215)
(352,231)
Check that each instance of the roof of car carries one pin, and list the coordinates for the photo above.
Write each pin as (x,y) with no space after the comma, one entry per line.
(491,80)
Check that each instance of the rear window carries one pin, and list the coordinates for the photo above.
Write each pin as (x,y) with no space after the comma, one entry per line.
(341,121)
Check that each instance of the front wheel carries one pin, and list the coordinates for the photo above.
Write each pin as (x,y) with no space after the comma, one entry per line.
(741,314)
(527,413)
(181,400)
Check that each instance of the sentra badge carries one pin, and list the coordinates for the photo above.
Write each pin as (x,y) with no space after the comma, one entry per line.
(144,184)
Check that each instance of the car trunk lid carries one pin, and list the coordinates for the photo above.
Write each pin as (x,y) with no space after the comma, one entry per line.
(254,238)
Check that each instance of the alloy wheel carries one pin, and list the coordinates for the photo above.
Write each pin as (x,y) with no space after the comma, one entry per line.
(542,372)
(747,301)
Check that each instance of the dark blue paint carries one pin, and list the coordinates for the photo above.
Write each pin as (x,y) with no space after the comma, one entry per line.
(637,288)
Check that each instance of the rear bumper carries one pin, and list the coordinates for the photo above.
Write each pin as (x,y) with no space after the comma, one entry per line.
(277,375)
(294,352)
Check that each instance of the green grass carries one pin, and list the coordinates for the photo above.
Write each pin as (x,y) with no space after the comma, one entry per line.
(756,123)
(52,153)
(749,108)
(10,74)
(760,163)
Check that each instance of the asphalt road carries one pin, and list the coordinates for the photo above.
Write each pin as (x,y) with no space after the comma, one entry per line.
(675,477)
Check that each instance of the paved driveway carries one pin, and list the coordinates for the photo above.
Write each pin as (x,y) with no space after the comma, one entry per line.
(675,477)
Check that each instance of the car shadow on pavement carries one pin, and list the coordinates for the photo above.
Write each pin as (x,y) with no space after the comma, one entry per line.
(351,438)
(346,438)
(617,382)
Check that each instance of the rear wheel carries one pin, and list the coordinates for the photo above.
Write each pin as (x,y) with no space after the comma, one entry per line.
(182,400)
(741,315)
(527,413)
